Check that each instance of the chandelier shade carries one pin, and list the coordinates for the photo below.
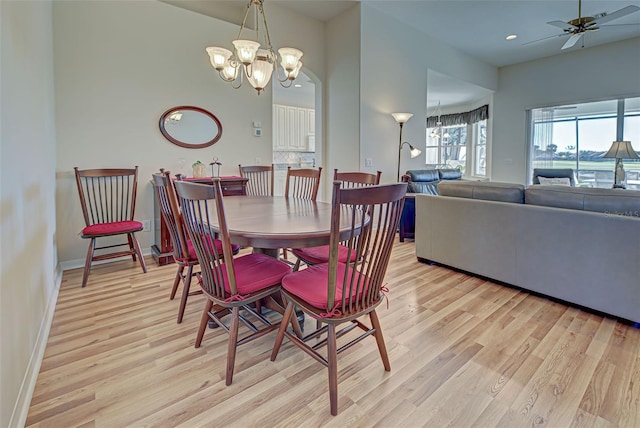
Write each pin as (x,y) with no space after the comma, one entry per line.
(218,57)
(246,50)
(260,71)
(257,60)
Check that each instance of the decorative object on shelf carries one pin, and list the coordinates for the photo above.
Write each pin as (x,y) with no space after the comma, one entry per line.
(213,164)
(401,118)
(199,170)
(620,150)
(256,60)
(190,127)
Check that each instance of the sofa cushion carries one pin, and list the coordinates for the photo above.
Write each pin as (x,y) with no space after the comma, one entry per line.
(608,201)
(425,175)
(553,173)
(489,191)
(450,174)
(426,187)
(555,181)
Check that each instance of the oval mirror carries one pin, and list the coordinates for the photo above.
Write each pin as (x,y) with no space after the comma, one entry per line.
(190,127)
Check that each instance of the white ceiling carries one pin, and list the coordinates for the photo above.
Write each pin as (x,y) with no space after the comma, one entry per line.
(476,27)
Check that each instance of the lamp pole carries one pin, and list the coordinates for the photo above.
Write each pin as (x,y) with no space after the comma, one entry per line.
(400,149)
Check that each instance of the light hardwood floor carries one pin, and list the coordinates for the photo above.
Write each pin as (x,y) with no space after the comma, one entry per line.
(464,352)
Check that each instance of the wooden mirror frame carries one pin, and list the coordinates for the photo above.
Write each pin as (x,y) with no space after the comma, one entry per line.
(184,144)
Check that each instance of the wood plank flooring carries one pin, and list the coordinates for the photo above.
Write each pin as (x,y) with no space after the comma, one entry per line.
(464,352)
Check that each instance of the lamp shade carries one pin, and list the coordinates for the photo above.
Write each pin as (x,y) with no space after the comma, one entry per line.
(218,56)
(621,150)
(261,71)
(246,50)
(290,58)
(414,152)
(401,117)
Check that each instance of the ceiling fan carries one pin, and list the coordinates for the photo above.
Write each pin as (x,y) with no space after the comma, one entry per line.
(578,27)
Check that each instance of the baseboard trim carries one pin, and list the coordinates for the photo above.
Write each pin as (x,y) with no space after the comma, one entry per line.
(21,409)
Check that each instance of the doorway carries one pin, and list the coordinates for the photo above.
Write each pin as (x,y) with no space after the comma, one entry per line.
(294,129)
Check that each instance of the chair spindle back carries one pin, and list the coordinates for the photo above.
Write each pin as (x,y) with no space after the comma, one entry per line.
(200,203)
(170,211)
(356,179)
(302,183)
(375,213)
(260,179)
(107,195)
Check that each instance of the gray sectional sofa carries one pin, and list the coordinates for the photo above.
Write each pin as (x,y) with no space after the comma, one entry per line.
(576,244)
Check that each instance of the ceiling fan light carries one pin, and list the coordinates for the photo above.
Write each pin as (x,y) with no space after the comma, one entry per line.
(246,50)
(218,56)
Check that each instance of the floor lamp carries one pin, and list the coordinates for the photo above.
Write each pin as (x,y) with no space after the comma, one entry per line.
(620,150)
(401,118)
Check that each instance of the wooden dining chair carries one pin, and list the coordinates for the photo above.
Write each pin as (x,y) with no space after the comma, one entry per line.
(337,293)
(108,200)
(183,251)
(260,179)
(302,183)
(320,254)
(229,283)
(351,179)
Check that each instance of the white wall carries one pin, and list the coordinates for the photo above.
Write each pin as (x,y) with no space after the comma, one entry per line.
(394,64)
(28,284)
(591,74)
(343,94)
(120,65)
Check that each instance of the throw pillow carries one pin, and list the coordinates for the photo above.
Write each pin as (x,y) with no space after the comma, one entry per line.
(557,181)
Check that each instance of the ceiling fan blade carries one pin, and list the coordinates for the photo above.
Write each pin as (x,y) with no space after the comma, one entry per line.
(572,40)
(545,38)
(617,14)
(618,25)
(562,24)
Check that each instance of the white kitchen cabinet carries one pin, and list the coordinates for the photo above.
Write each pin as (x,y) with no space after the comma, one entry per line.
(292,127)
(280,135)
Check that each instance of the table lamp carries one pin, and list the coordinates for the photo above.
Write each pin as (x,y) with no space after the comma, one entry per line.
(620,150)
(401,118)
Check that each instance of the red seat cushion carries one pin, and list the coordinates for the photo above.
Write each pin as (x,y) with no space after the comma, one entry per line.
(315,255)
(112,228)
(256,272)
(311,284)
(218,243)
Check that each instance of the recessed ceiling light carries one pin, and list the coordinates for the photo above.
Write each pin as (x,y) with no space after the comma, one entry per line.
(511,37)
(297,85)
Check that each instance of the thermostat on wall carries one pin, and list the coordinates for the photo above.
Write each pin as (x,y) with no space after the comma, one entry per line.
(257,132)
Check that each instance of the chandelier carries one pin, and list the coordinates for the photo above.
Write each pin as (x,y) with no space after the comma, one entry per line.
(437,131)
(257,61)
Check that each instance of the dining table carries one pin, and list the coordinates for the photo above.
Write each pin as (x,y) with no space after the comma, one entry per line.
(269,223)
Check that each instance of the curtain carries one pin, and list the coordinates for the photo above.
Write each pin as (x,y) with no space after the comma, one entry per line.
(473,116)
(541,155)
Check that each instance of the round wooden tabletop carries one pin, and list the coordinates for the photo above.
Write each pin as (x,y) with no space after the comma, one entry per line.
(271,222)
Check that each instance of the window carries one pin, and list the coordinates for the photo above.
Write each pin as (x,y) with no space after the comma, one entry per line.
(447,147)
(459,141)
(480,149)
(577,137)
